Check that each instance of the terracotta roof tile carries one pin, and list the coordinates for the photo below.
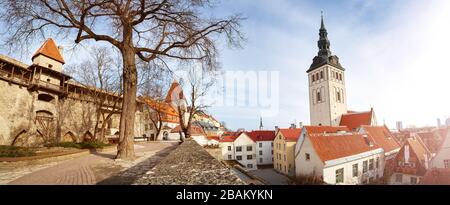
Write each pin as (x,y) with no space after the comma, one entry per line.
(382,137)
(175,92)
(194,130)
(291,134)
(261,135)
(325,129)
(418,147)
(355,120)
(50,50)
(436,177)
(330,147)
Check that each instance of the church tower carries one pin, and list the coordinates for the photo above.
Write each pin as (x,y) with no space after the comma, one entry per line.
(326,79)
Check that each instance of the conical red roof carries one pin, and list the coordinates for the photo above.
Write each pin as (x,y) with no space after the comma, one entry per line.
(49,49)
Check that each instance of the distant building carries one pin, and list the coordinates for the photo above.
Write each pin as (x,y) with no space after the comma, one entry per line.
(442,158)
(399,125)
(283,150)
(411,163)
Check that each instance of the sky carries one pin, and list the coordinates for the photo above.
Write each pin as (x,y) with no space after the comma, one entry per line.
(394,53)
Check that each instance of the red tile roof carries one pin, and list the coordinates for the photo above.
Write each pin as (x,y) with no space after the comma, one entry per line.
(291,134)
(194,130)
(213,138)
(419,148)
(432,142)
(325,129)
(382,137)
(330,147)
(228,139)
(436,177)
(261,135)
(175,92)
(49,49)
(355,120)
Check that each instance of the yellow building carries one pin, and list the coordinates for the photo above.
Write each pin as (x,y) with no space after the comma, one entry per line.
(283,151)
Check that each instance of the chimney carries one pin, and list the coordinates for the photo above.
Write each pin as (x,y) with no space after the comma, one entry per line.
(61,50)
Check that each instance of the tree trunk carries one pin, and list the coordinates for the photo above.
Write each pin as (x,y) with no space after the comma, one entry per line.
(125,149)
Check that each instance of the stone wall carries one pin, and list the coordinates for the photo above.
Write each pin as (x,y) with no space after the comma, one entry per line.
(73,119)
(190,164)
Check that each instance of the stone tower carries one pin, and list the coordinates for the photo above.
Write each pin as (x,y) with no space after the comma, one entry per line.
(49,56)
(326,79)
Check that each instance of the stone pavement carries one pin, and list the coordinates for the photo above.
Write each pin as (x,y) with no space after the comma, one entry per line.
(93,168)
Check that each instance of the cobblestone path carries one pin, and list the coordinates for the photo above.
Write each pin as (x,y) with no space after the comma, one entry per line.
(96,167)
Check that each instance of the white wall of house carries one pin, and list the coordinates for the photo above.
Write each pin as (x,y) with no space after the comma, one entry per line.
(264,152)
(361,176)
(308,163)
(442,158)
(303,166)
(245,151)
(403,179)
(227,150)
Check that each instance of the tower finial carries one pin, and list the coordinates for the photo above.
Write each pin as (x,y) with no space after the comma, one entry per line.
(322,25)
(260,124)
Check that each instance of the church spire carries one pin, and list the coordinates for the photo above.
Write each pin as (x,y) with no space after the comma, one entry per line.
(323,43)
(260,124)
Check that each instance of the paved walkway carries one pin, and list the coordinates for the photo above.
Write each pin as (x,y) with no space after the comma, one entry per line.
(93,168)
(271,176)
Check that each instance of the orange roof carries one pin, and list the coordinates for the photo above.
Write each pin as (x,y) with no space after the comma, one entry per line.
(432,142)
(291,134)
(330,147)
(228,138)
(167,111)
(49,49)
(355,120)
(325,129)
(419,148)
(261,135)
(382,137)
(194,130)
(436,177)
(175,89)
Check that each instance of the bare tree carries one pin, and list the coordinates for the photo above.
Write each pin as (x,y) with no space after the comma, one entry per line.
(152,30)
(199,82)
(99,74)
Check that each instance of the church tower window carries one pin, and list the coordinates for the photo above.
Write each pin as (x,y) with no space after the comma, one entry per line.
(319,96)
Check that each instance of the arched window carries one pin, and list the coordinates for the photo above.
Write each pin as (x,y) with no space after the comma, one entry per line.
(321,74)
(319,96)
(313,78)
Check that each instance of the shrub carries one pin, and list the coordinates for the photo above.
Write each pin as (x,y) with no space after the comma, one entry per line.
(82,145)
(13,151)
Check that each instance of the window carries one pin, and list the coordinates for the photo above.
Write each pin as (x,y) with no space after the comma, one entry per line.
(340,76)
(378,162)
(371,161)
(260,144)
(319,97)
(399,178)
(239,158)
(249,148)
(250,166)
(271,144)
(239,149)
(50,66)
(317,76)
(321,74)
(249,157)
(365,166)
(260,160)
(284,146)
(355,170)
(413,180)
(313,78)
(307,157)
(260,152)
(284,157)
(229,157)
(338,96)
(229,148)
(447,163)
(340,176)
